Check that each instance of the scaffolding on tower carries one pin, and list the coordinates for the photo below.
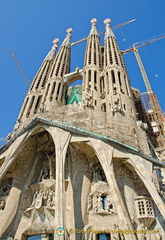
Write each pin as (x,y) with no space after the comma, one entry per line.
(155,119)
(152,111)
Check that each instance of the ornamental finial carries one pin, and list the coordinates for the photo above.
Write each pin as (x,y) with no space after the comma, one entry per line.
(107,20)
(94,21)
(93,30)
(55,41)
(108,32)
(69,30)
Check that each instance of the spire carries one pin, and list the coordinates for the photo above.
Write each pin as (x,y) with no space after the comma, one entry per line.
(33,99)
(93,51)
(92,69)
(108,32)
(61,63)
(66,41)
(93,30)
(50,56)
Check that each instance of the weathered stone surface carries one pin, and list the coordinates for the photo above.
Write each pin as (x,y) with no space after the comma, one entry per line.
(85,167)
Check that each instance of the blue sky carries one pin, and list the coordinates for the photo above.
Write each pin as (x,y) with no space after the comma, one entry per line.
(29,26)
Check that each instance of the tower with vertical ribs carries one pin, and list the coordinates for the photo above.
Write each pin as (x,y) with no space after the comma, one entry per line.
(78,164)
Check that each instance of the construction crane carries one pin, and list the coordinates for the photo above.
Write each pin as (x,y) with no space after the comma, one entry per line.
(153,112)
(117,26)
(2,139)
(141,66)
(20,68)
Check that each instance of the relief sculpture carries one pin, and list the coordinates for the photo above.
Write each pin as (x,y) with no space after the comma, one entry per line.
(100,204)
(42,198)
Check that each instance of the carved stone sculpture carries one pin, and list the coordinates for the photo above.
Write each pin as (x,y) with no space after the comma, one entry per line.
(95,204)
(41,198)
(98,204)
(98,174)
(110,207)
(116,105)
(88,102)
(2,206)
(90,203)
(44,174)
(117,236)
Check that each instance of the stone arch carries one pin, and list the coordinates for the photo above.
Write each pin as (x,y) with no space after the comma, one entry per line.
(72,77)
(26,159)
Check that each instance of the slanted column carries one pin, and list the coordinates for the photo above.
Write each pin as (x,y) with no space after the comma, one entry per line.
(104,153)
(141,169)
(61,140)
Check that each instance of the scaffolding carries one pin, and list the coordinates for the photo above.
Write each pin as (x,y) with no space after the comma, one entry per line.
(155,120)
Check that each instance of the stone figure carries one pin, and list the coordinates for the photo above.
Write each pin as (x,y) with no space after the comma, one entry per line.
(88,99)
(98,174)
(50,168)
(116,105)
(41,198)
(117,235)
(17,124)
(49,201)
(42,108)
(110,207)
(90,203)
(100,203)
(34,199)
(8,136)
(2,206)
(53,200)
(102,175)
(44,174)
(77,69)
(95,203)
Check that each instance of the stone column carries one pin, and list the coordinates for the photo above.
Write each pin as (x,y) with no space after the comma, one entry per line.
(142,171)
(104,153)
(10,209)
(61,140)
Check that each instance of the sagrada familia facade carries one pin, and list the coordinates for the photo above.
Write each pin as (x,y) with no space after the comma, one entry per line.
(78,164)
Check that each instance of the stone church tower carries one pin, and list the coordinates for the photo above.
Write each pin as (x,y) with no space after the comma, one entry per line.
(78,164)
